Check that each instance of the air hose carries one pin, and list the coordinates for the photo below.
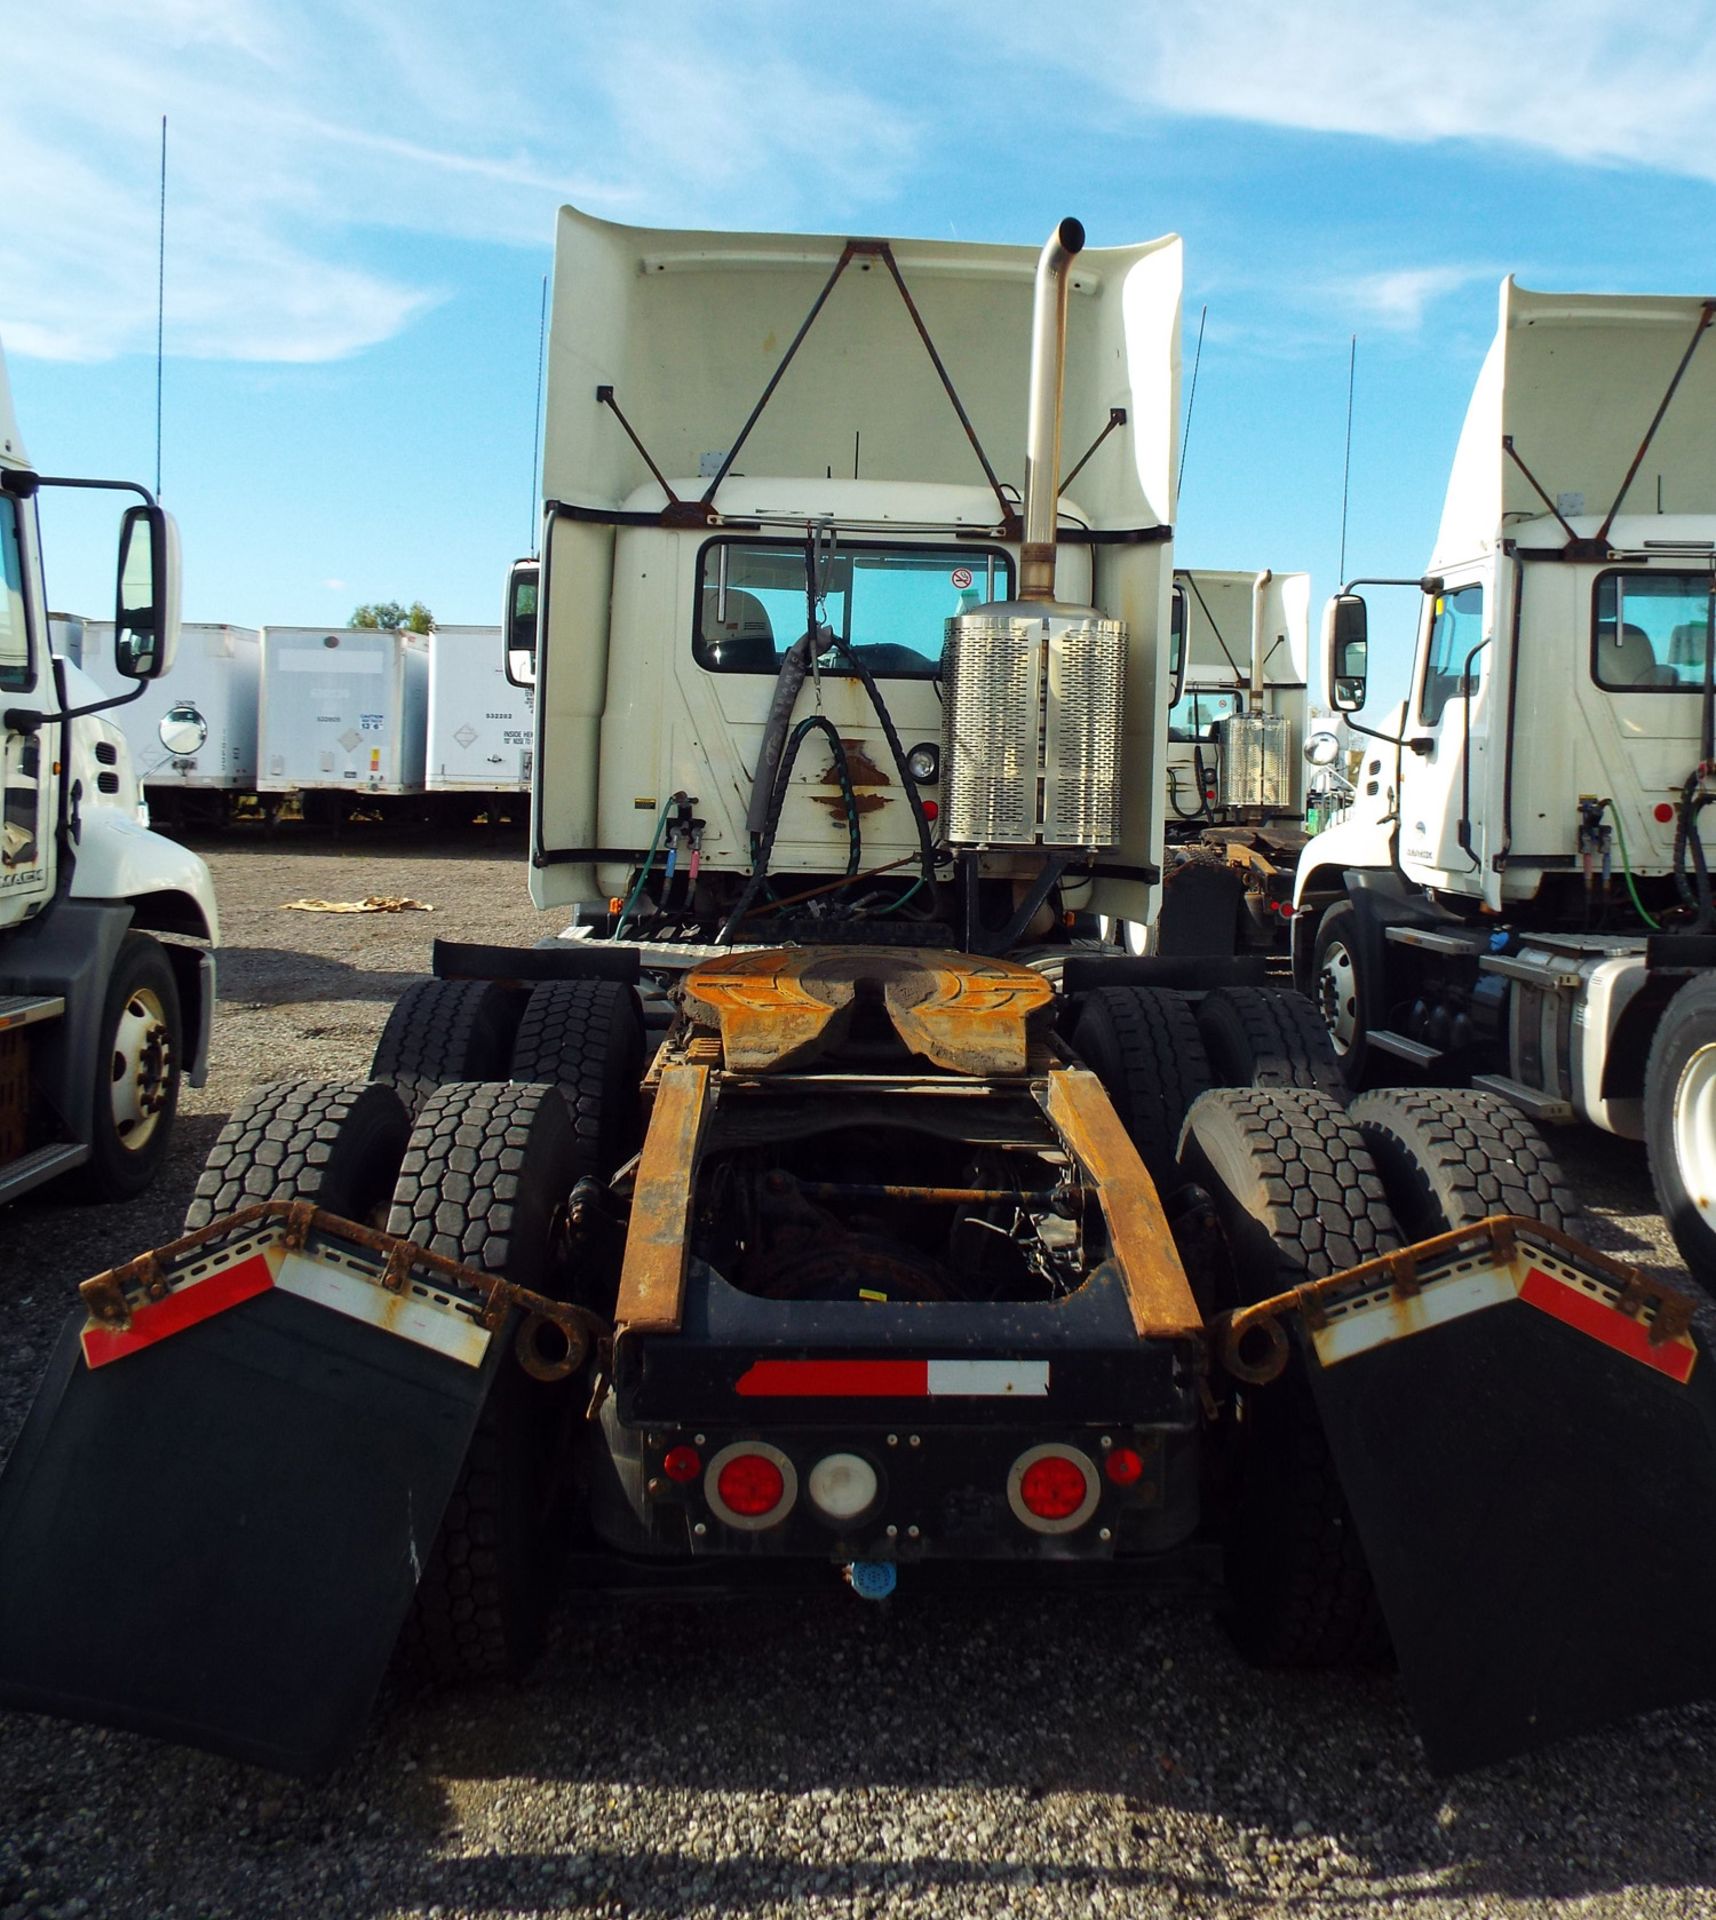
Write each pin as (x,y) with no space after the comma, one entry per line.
(812,723)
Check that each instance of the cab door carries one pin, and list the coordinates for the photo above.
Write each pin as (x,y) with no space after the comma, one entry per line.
(26,750)
(1444,765)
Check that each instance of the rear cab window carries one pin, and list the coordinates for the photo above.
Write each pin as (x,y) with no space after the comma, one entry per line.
(1650,631)
(889,604)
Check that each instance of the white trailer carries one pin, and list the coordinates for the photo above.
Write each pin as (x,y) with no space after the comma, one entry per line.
(1521,895)
(481,725)
(192,734)
(343,711)
(65,636)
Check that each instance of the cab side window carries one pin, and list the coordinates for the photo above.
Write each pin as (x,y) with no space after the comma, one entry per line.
(1456,627)
(14,639)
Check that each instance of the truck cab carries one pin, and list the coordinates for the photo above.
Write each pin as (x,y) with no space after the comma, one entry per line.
(100,1017)
(1523,889)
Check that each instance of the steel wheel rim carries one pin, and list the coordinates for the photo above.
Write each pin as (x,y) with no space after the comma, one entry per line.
(1695,1131)
(141,1069)
(1337,995)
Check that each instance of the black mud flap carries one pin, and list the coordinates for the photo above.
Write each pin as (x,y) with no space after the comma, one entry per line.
(1534,1480)
(217,1539)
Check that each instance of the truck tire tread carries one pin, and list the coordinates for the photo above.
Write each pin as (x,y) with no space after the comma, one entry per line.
(1299,1199)
(586,1037)
(484,1180)
(1451,1157)
(445,1030)
(1265,1037)
(339,1145)
(1143,1044)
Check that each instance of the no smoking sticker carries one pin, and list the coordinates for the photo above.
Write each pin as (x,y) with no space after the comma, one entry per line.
(962,577)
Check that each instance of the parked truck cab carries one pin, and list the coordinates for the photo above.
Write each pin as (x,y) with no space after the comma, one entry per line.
(100,1017)
(1521,895)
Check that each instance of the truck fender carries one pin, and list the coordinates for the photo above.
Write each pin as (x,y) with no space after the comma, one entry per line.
(69,950)
(118,859)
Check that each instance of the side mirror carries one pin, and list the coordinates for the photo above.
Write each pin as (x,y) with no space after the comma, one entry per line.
(146,612)
(183,730)
(1323,749)
(519,625)
(1346,640)
(1177,646)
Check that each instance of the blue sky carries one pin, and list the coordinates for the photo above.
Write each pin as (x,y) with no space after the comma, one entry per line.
(361,201)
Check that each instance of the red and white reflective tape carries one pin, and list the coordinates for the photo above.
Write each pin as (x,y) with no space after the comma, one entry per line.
(895,1380)
(1587,1305)
(250,1270)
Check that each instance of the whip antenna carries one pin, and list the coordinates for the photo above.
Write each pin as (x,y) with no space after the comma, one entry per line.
(160,302)
(536,425)
(1347,462)
(1186,430)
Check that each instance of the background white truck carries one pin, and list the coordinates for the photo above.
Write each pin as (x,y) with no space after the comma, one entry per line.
(99,1016)
(1521,895)
(1236,770)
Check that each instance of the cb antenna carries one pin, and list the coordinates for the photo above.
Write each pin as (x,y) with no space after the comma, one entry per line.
(1347,462)
(536,425)
(160,302)
(1186,430)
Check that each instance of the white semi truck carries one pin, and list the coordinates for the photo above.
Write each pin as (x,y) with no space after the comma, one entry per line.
(100,1015)
(1521,896)
(1236,771)
(912,1242)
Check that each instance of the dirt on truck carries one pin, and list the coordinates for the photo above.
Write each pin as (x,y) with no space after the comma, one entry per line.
(814,1208)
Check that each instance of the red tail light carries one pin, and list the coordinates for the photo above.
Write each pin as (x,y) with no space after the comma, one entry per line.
(750,1485)
(1053,1489)
(1124,1466)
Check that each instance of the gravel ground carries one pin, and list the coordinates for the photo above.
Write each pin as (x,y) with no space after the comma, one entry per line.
(948,1755)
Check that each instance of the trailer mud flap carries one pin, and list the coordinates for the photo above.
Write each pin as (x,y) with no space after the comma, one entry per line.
(215,1536)
(1526,1435)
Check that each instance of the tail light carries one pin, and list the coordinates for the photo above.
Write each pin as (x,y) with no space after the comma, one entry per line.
(842,1486)
(750,1485)
(1053,1489)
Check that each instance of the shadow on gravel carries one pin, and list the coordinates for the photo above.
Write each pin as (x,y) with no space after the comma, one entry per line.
(284,976)
(956,1755)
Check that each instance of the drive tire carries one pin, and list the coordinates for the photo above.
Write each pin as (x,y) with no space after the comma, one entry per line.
(1451,1158)
(138,1066)
(335,1145)
(1263,1037)
(1298,1199)
(1142,1043)
(586,1037)
(445,1030)
(1680,1123)
(1340,994)
(484,1181)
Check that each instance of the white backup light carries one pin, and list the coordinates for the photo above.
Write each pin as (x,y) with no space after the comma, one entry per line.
(842,1486)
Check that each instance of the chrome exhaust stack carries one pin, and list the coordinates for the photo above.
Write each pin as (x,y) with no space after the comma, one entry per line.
(1043,421)
(1034,689)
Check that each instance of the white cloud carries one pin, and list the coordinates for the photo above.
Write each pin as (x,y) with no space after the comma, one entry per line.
(1398,298)
(1582,80)
(302,132)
